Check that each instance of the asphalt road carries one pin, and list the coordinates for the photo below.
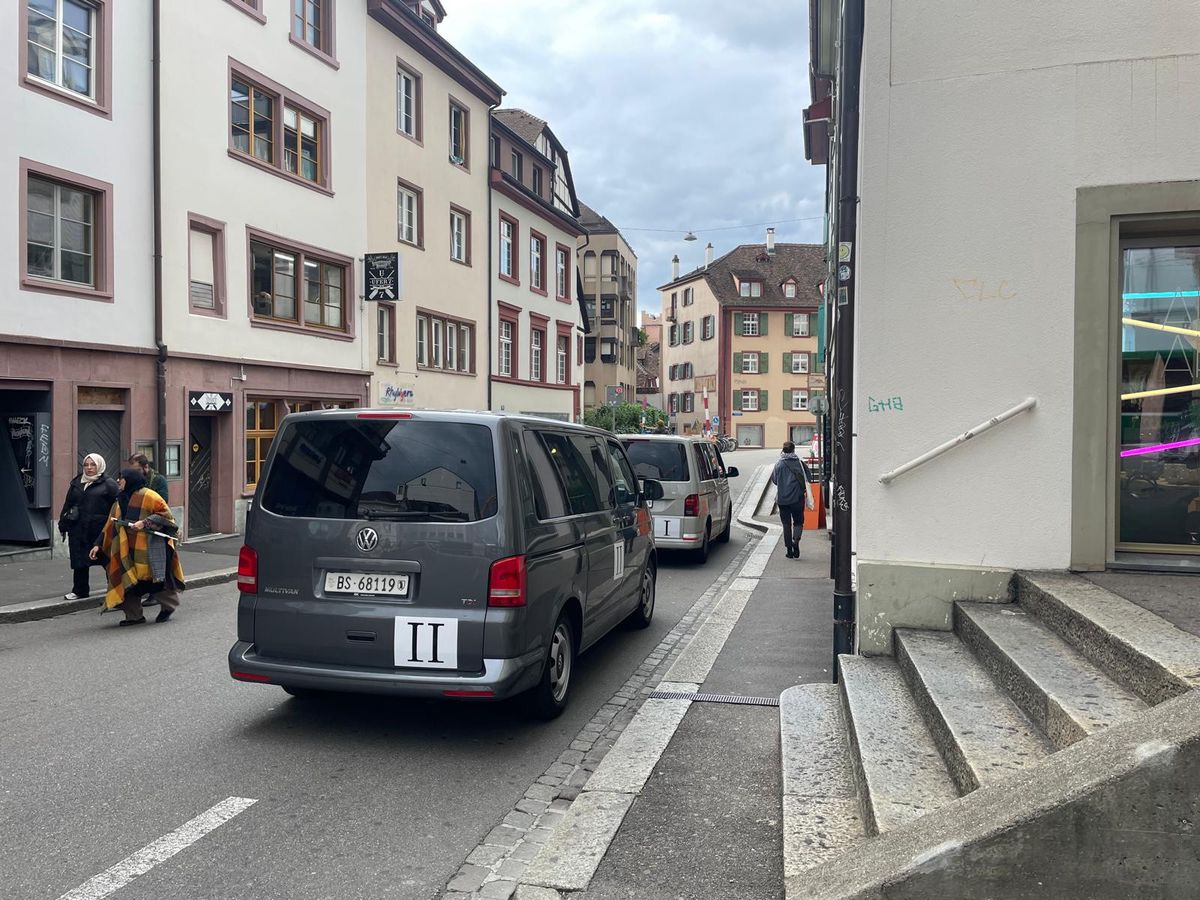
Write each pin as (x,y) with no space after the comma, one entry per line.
(111,738)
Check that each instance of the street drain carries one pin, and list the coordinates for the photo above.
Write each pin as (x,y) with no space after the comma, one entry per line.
(714,698)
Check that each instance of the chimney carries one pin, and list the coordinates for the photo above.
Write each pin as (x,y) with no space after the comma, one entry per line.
(675,267)
(708,255)
(770,242)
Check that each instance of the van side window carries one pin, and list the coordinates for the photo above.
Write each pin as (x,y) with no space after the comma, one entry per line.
(549,495)
(625,486)
(574,470)
(604,481)
(704,464)
(714,462)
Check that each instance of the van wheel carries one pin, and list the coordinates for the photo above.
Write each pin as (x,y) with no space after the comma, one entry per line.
(700,554)
(549,698)
(723,537)
(640,617)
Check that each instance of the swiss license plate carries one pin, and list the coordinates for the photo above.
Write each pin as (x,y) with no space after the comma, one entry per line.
(366,583)
(668,526)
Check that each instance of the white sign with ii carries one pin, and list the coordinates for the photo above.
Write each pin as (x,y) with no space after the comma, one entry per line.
(426,643)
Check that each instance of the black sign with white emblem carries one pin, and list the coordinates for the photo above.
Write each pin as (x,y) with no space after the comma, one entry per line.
(383,276)
(210,401)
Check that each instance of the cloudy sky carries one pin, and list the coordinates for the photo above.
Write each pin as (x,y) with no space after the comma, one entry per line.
(677,114)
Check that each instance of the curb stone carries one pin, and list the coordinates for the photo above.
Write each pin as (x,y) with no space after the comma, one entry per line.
(57,606)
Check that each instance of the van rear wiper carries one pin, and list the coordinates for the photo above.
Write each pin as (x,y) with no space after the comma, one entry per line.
(404,515)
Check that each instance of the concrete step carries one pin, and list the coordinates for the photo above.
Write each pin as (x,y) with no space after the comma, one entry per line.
(1065,694)
(899,771)
(1144,652)
(820,804)
(982,735)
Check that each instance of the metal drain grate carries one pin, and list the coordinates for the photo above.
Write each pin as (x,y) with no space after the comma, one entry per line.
(715,698)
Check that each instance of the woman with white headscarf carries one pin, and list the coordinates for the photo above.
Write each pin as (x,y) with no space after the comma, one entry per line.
(89,498)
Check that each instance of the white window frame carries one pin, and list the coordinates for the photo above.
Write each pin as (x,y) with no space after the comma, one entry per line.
(451,356)
(535,354)
(799,400)
(458,236)
(789,290)
(707,327)
(563,350)
(422,341)
(463,134)
(464,348)
(799,363)
(506,348)
(506,248)
(383,333)
(750,325)
(560,267)
(435,343)
(56,247)
(689,332)
(750,401)
(749,363)
(798,320)
(537,255)
(59,25)
(407,102)
(408,219)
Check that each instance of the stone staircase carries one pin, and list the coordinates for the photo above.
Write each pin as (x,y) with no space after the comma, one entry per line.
(984,708)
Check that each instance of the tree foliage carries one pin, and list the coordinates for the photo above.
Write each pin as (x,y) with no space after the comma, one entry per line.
(626,418)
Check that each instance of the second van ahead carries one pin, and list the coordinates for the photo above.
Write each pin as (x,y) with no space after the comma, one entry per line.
(440,554)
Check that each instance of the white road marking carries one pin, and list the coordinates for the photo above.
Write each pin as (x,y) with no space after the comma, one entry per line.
(158,851)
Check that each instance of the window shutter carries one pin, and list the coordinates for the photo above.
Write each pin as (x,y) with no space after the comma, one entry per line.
(787,400)
(762,401)
(737,400)
(788,319)
(737,363)
(762,363)
(787,363)
(763,317)
(739,320)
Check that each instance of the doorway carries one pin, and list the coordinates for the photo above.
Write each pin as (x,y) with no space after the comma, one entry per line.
(1158,468)
(200,459)
(100,432)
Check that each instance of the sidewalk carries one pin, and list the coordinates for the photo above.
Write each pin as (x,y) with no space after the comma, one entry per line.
(684,796)
(34,589)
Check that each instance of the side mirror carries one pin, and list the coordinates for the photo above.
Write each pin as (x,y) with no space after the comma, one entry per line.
(732,472)
(652,490)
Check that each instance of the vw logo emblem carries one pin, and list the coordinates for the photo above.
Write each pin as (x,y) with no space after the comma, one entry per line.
(367,540)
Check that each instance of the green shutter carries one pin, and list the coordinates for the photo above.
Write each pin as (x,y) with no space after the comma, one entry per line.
(737,363)
(787,400)
(738,320)
(787,324)
(762,323)
(762,363)
(762,401)
(787,363)
(737,400)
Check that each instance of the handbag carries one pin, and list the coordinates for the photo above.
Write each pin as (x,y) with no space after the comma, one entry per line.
(71,516)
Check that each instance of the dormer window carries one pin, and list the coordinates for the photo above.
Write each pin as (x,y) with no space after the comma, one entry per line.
(789,289)
(750,288)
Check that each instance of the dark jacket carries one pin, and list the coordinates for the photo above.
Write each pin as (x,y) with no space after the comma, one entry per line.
(157,483)
(92,508)
(789,476)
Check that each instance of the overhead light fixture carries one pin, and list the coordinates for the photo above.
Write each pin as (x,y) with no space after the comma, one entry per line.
(689,237)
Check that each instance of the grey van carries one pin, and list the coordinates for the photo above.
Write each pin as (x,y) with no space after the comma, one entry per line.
(696,508)
(440,554)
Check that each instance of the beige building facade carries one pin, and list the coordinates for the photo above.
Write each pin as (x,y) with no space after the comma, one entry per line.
(427,113)
(608,268)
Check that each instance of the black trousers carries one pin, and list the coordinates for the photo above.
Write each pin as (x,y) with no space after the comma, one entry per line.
(792,519)
(80,585)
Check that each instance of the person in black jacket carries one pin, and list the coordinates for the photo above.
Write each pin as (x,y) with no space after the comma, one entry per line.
(89,498)
(792,496)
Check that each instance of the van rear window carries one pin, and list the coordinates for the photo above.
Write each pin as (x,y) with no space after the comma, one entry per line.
(399,471)
(660,460)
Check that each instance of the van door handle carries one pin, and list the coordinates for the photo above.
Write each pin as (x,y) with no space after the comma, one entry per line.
(363,636)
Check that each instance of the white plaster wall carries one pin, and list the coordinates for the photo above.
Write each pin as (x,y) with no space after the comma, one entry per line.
(431,280)
(117,151)
(200,177)
(531,398)
(978,126)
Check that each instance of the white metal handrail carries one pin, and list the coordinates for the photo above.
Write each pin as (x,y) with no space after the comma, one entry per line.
(1027,403)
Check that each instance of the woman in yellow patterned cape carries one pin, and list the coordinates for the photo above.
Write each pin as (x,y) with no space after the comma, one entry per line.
(139,561)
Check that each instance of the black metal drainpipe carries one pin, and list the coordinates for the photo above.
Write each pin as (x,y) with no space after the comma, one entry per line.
(160,451)
(843,400)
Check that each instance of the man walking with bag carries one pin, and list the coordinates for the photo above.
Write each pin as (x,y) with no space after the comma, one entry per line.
(793,496)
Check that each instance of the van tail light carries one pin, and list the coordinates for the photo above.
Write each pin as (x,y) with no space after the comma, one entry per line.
(251,676)
(506,582)
(691,505)
(248,570)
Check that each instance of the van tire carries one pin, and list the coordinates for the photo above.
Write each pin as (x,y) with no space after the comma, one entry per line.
(700,554)
(549,697)
(723,537)
(643,613)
